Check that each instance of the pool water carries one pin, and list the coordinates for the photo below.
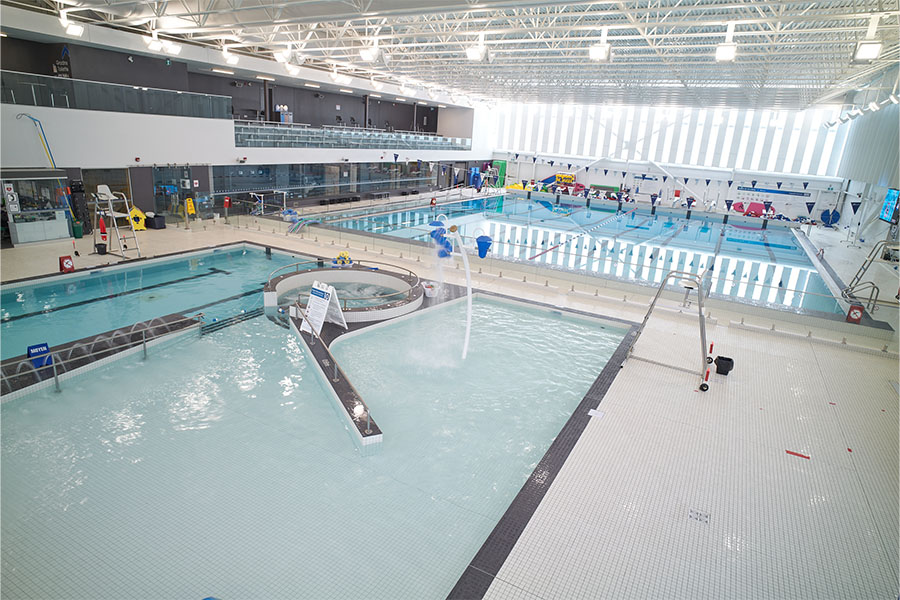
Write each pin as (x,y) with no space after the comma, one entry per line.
(227,472)
(748,264)
(218,283)
(350,294)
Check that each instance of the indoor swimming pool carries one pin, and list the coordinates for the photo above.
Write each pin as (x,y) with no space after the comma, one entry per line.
(227,472)
(351,294)
(57,310)
(745,263)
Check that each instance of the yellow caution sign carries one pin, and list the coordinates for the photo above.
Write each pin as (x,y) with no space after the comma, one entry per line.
(565,178)
(138,219)
(189,203)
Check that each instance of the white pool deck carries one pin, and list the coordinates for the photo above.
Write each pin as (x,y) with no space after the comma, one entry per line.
(675,493)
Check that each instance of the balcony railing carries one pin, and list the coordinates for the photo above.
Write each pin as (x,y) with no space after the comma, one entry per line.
(40,90)
(254,134)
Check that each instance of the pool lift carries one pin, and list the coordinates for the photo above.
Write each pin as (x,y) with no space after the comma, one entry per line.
(445,250)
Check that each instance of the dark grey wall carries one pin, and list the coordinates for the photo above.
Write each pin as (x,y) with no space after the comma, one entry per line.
(314,107)
(142,187)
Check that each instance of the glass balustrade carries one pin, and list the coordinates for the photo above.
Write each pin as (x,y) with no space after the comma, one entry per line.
(58,92)
(251,134)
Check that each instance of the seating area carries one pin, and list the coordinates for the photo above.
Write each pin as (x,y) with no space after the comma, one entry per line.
(253,134)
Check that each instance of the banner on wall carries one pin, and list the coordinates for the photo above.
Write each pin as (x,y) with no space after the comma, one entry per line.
(565,178)
(771,191)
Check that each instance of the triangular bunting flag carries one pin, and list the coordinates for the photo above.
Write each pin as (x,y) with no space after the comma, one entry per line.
(534,160)
(855,206)
(605,171)
(524,182)
(753,183)
(805,183)
(767,204)
(396,156)
(443,169)
(456,170)
(624,173)
(665,177)
(809,207)
(728,204)
(643,176)
(686,179)
(778,183)
(570,166)
(730,181)
(418,164)
(707,181)
(551,163)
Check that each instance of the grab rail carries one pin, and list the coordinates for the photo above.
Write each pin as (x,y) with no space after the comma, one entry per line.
(56,356)
(407,292)
(698,280)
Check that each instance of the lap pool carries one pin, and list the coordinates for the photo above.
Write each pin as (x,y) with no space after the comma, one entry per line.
(218,467)
(745,262)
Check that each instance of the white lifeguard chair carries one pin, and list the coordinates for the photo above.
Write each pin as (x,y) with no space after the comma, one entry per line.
(114,206)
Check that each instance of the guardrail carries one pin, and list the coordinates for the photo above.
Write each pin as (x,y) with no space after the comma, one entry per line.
(363,264)
(28,89)
(267,134)
(74,356)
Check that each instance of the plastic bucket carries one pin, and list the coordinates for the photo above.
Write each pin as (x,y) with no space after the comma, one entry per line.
(101,248)
(484,244)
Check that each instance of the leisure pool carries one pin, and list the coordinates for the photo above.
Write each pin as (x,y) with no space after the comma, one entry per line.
(227,473)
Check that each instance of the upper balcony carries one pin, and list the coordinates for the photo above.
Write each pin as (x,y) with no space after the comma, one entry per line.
(40,90)
(254,134)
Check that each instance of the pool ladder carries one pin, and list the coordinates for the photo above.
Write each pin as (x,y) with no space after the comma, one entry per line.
(689,281)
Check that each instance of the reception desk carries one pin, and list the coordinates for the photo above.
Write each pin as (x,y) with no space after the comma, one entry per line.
(38,226)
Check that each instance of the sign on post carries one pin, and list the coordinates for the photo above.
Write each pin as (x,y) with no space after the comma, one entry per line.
(40,355)
(323,305)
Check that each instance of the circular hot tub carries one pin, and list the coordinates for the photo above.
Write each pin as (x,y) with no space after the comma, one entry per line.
(366,290)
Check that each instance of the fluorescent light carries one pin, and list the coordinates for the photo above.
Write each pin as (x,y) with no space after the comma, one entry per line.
(265,78)
(867,50)
(400,99)
(726,52)
(425,103)
(2,34)
(312,85)
(222,71)
(475,52)
(369,53)
(172,48)
(346,91)
(75,29)
(374,95)
(230,58)
(441,106)
(600,52)
(155,45)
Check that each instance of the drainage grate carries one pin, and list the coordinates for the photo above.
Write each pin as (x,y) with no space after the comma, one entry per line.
(698,516)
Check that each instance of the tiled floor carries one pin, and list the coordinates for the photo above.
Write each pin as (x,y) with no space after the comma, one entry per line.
(671,492)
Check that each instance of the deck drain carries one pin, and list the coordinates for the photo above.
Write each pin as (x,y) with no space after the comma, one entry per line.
(699,516)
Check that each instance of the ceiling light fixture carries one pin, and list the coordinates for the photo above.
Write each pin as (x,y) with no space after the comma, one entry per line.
(74,29)
(423,103)
(374,95)
(400,99)
(153,42)
(441,106)
(727,51)
(171,48)
(312,85)
(869,48)
(346,91)
(230,58)
(369,53)
(265,78)
(292,69)
(282,55)
(601,52)
(222,71)
(477,52)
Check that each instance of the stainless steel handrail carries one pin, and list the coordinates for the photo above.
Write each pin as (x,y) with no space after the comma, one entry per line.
(57,361)
(406,292)
(693,278)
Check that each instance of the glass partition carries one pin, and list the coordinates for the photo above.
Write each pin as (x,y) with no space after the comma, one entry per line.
(251,134)
(40,90)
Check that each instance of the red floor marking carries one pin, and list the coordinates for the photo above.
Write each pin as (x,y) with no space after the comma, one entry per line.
(849,450)
(792,453)
(832,403)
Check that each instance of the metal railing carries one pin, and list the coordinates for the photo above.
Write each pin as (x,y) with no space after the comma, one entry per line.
(321,264)
(687,280)
(267,134)
(75,354)
(58,92)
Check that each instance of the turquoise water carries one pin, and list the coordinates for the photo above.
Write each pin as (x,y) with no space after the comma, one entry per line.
(60,311)
(748,264)
(227,472)
(350,294)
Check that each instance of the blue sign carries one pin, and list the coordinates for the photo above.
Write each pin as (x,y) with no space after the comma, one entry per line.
(40,355)
(768,191)
(320,293)
(889,208)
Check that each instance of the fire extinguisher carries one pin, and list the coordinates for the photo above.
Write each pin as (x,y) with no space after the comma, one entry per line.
(227,201)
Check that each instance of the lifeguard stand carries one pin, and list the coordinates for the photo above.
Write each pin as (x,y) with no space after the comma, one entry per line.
(113,206)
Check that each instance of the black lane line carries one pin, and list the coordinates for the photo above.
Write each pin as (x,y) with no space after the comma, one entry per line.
(212,271)
(235,297)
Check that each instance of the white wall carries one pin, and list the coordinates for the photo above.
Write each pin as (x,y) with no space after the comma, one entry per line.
(98,139)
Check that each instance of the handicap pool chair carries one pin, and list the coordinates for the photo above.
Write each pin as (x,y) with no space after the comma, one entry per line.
(104,193)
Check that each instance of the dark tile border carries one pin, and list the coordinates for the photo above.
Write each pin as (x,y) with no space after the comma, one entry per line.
(481,571)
